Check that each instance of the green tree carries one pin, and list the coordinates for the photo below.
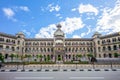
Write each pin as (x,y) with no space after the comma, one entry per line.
(12,56)
(59,58)
(17,56)
(48,57)
(89,55)
(116,55)
(79,56)
(39,56)
(1,57)
(28,56)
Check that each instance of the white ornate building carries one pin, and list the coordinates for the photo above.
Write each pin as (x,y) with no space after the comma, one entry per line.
(60,47)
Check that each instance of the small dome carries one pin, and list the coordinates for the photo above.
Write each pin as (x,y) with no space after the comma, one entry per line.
(59,26)
(96,33)
(20,33)
(59,32)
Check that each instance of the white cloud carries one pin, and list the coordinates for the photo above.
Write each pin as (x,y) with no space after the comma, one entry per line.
(57,15)
(9,13)
(109,22)
(71,24)
(74,9)
(76,36)
(52,7)
(46,32)
(26,32)
(60,17)
(86,33)
(24,8)
(83,34)
(87,8)
(68,26)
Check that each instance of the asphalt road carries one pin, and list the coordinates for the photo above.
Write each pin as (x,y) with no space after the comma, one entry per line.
(61,75)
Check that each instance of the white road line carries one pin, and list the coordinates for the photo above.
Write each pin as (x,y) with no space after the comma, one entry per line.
(23,78)
(91,78)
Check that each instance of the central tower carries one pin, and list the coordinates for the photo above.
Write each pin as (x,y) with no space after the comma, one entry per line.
(59,44)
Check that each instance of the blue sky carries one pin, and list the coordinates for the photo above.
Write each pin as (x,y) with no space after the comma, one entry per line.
(79,18)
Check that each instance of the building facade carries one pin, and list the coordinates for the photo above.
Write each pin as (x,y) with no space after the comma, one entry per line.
(60,48)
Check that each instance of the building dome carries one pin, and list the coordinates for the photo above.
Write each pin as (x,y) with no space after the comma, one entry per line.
(20,33)
(59,32)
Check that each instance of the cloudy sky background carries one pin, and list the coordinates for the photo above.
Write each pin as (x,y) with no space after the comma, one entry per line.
(79,18)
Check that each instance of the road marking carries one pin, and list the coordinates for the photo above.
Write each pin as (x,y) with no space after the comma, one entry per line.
(23,78)
(99,78)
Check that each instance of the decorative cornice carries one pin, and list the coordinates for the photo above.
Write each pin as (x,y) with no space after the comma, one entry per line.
(7,35)
(38,39)
(78,39)
(110,35)
(66,39)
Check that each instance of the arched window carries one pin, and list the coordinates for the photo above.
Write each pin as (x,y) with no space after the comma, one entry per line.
(51,56)
(99,49)
(99,55)
(51,49)
(104,55)
(1,39)
(113,39)
(13,49)
(69,49)
(114,47)
(98,42)
(109,48)
(110,55)
(7,47)
(104,48)
(118,38)
(18,42)
(48,50)
(6,56)
(1,46)
(69,56)
(66,56)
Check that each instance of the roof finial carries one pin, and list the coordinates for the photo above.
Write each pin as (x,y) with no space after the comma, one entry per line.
(59,26)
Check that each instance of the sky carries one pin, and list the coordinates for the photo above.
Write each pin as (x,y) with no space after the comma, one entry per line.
(78,18)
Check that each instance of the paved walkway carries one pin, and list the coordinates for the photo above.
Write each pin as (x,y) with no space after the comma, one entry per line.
(62,66)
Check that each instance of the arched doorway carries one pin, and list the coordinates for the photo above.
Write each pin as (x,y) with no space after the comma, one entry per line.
(104,55)
(99,55)
(59,58)
(110,55)
(6,56)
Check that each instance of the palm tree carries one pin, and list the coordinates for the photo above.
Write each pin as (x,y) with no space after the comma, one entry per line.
(28,56)
(1,57)
(17,56)
(12,56)
(22,59)
(89,56)
(48,57)
(39,56)
(79,56)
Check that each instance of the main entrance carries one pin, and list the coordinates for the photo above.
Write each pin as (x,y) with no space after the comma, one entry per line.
(59,59)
